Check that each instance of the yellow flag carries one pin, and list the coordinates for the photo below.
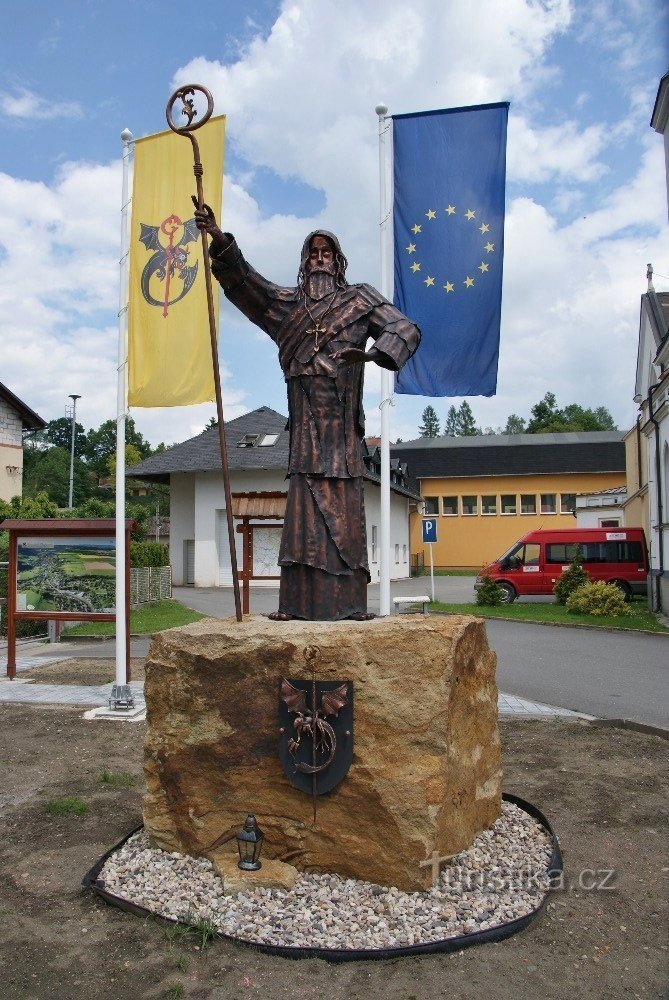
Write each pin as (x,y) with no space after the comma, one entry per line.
(169,346)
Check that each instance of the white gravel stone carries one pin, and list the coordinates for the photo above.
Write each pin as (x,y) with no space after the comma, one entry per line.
(502,876)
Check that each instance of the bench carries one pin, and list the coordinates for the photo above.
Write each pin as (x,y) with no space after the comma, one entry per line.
(401,602)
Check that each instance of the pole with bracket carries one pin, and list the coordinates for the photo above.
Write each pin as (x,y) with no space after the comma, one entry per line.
(186,96)
(386,377)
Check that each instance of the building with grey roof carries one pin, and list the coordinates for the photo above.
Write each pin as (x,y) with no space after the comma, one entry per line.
(257,445)
(487,491)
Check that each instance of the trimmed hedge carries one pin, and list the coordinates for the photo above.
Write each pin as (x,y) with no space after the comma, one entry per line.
(149,554)
(598,599)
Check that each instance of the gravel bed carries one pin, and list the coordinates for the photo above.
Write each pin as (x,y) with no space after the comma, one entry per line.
(501,877)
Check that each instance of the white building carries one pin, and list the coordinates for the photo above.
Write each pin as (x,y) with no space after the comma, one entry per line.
(257,446)
(604,509)
(15,417)
(651,394)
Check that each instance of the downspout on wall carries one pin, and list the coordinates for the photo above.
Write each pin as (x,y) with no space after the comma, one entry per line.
(658,488)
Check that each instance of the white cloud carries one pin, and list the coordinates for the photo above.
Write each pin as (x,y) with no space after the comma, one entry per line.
(26,104)
(555,152)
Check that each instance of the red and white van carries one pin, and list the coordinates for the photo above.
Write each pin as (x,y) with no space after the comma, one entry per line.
(534,563)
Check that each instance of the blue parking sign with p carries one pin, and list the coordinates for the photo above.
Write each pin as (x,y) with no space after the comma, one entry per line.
(429,529)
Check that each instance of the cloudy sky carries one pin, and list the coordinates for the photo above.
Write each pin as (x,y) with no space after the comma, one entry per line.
(299,80)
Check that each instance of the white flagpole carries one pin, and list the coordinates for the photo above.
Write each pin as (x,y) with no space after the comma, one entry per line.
(121,406)
(386,376)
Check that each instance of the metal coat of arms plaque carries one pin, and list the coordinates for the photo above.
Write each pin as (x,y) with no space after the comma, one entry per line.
(316,726)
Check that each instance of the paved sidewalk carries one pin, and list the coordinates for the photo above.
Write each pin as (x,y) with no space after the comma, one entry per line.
(26,692)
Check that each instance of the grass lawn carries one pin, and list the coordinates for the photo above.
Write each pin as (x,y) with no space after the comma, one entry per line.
(638,617)
(154,618)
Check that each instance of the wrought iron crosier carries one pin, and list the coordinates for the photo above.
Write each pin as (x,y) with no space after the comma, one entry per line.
(186,95)
(311,720)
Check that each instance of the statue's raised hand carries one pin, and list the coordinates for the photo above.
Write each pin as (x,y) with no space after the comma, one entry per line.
(205,221)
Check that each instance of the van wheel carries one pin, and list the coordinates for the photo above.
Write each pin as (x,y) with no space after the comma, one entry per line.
(508,593)
(624,588)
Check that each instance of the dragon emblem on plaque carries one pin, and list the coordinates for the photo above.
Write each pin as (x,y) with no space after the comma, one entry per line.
(316,728)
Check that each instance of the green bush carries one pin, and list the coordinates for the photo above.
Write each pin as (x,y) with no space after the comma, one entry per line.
(571,580)
(597,599)
(149,554)
(489,593)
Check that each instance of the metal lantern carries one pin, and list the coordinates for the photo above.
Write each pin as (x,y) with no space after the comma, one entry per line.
(249,844)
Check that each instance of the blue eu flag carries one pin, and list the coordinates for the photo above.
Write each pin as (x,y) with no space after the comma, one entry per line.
(449,173)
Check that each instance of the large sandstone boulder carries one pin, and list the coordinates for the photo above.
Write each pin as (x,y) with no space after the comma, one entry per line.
(426,772)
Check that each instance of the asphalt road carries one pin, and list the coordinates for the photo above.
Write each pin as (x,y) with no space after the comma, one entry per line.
(613,675)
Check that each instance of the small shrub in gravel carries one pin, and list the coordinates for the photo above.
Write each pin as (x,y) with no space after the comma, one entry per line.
(597,599)
(571,579)
(489,593)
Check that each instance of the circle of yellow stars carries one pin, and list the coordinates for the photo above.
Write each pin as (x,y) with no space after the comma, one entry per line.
(487,248)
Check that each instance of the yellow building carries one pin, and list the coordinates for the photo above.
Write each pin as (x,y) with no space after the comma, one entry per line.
(488,491)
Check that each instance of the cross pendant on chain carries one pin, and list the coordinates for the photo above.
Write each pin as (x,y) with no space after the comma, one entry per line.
(317,330)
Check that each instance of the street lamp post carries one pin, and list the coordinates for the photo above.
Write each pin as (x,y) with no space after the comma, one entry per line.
(74,399)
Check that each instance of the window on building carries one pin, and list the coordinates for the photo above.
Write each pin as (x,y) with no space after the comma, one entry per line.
(528,503)
(404,553)
(397,552)
(548,503)
(567,503)
(489,504)
(248,441)
(470,505)
(609,522)
(449,506)
(508,503)
(373,543)
(257,440)
(431,505)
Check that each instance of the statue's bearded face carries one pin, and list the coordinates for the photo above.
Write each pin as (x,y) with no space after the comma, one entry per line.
(321,256)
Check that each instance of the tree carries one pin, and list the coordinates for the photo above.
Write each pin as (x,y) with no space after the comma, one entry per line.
(451,426)
(544,415)
(430,426)
(514,425)
(48,472)
(605,420)
(101,443)
(132,457)
(547,418)
(466,423)
(59,433)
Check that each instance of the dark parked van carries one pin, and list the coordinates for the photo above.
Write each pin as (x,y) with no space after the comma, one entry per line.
(534,563)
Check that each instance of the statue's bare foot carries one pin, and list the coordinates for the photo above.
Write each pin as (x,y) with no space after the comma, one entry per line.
(279,616)
(361,616)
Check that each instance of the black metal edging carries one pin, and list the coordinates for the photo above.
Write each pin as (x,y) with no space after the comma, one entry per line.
(498,933)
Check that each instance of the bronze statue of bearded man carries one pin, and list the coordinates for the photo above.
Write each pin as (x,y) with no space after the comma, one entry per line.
(321,328)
